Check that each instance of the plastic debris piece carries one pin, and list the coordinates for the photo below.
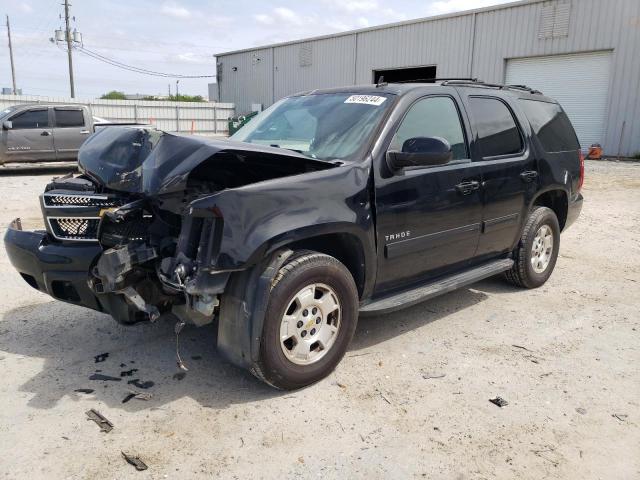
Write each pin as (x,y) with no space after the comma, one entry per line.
(137,383)
(84,390)
(499,401)
(105,425)
(128,397)
(101,357)
(104,378)
(128,373)
(135,461)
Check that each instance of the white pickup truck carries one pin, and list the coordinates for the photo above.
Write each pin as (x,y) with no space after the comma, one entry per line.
(46,133)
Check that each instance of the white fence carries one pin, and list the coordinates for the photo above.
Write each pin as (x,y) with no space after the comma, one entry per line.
(189,117)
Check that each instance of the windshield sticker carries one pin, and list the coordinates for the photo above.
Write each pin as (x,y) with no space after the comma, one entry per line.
(366,99)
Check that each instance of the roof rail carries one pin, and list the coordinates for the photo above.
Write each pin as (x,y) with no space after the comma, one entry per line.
(470,81)
(432,80)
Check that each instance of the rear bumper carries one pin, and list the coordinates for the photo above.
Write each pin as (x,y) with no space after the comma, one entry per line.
(60,270)
(574,209)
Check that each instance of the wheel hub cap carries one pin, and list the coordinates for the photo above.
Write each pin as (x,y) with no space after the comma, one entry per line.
(542,249)
(310,324)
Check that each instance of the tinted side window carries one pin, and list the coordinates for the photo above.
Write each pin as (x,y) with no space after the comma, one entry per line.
(551,125)
(69,118)
(32,119)
(498,133)
(433,117)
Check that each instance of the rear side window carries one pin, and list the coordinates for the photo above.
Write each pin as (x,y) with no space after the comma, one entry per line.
(32,119)
(498,133)
(69,118)
(551,125)
(433,117)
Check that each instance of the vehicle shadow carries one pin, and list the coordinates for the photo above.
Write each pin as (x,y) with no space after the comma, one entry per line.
(376,329)
(68,338)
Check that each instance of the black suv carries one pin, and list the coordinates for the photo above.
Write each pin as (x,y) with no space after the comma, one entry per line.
(329,204)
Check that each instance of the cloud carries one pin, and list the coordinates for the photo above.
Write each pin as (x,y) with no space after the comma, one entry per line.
(174,10)
(448,6)
(352,6)
(26,8)
(282,16)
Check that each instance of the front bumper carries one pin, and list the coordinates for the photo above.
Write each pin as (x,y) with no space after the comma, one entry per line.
(60,270)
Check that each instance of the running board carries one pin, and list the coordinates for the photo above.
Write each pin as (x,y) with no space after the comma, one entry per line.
(433,289)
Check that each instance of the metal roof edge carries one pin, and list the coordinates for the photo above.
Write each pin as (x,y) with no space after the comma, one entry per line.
(462,13)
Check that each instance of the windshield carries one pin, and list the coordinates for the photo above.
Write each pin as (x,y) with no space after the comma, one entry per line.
(323,126)
(5,113)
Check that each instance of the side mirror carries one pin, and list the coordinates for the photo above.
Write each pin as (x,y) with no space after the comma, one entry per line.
(7,125)
(419,152)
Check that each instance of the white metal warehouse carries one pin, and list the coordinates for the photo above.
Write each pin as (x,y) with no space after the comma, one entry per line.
(584,53)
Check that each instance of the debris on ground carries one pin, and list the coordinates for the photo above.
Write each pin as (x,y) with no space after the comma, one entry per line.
(128,373)
(428,375)
(499,401)
(581,411)
(84,390)
(128,397)
(105,425)
(104,378)
(135,461)
(101,357)
(522,348)
(143,385)
(620,416)
(179,375)
(141,395)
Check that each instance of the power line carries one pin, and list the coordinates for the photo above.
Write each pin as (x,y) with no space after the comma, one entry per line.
(131,68)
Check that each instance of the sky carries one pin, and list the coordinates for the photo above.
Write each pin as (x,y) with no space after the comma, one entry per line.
(175,36)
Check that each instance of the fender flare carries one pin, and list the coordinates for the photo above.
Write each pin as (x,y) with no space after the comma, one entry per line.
(242,311)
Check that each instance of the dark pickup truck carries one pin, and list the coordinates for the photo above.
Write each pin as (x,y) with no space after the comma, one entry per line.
(327,205)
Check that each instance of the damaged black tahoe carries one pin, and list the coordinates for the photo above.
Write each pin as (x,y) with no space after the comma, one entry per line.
(327,205)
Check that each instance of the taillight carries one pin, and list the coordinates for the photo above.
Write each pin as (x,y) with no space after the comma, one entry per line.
(581,180)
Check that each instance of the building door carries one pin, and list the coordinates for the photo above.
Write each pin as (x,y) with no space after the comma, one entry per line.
(408,74)
(580,82)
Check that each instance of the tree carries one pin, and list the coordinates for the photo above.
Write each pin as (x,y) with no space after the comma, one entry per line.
(114,95)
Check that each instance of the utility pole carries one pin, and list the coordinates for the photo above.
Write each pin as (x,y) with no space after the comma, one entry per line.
(69,42)
(13,70)
(177,95)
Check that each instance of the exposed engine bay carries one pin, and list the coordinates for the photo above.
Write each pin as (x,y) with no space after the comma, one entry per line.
(135,196)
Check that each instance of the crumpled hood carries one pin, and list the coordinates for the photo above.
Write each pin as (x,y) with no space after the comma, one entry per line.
(153,162)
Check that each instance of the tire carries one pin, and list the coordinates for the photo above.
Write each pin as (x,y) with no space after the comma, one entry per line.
(524,273)
(309,282)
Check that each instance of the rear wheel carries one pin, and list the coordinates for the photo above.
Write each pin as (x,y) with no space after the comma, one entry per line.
(536,254)
(310,320)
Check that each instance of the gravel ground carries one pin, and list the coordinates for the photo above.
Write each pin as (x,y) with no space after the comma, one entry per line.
(410,400)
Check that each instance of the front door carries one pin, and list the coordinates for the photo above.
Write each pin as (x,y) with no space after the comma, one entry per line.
(30,139)
(70,131)
(428,218)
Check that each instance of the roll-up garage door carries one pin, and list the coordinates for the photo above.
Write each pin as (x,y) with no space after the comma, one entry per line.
(580,82)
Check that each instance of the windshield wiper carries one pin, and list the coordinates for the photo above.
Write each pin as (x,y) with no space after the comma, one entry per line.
(292,149)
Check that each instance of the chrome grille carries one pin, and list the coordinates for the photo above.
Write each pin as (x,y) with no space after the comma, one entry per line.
(69,200)
(78,228)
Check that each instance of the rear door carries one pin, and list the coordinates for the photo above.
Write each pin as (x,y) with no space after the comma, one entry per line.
(31,138)
(428,218)
(70,131)
(502,149)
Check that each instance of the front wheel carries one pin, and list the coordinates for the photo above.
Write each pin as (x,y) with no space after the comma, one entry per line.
(309,322)
(537,252)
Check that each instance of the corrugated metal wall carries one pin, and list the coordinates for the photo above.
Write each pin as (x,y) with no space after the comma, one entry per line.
(493,35)
(205,117)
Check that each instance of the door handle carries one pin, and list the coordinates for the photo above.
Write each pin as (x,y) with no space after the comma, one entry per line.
(465,188)
(529,176)
(85,132)
(45,134)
